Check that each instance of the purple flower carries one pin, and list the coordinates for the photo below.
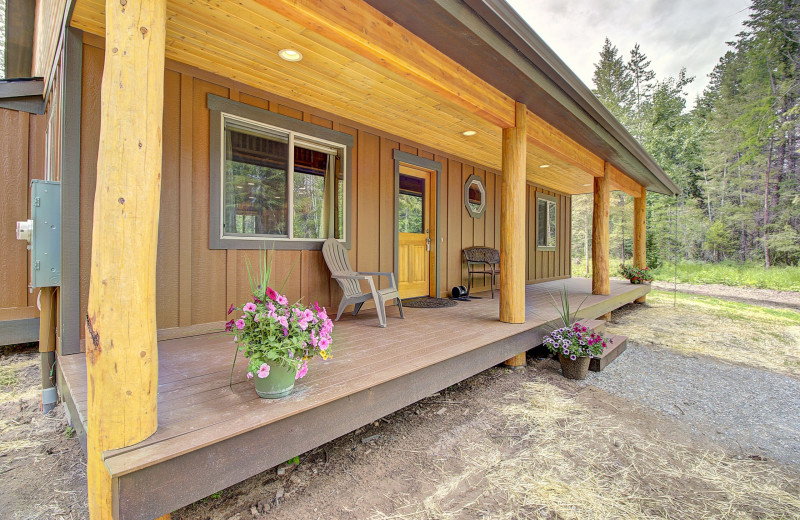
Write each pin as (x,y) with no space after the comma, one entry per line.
(573,357)
(249,307)
(263,370)
(229,326)
(566,351)
(231,309)
(285,332)
(256,299)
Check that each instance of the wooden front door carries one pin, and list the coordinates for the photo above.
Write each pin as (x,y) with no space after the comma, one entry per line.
(414,232)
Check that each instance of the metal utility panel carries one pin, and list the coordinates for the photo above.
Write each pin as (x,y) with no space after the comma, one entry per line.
(46,233)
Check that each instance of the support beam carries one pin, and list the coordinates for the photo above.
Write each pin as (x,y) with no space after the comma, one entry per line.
(640,233)
(600,262)
(621,182)
(121,353)
(512,220)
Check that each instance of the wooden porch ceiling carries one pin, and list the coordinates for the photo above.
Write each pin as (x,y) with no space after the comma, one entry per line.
(359,64)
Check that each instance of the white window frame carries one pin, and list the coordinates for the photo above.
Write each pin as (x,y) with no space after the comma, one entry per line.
(548,199)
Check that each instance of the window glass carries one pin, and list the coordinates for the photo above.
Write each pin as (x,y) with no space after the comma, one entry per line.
(255,183)
(261,198)
(411,202)
(546,219)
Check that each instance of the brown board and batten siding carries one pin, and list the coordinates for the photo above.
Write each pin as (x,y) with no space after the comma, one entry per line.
(197,284)
(545,266)
(21,160)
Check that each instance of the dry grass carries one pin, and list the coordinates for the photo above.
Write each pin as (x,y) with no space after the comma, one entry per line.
(562,462)
(732,331)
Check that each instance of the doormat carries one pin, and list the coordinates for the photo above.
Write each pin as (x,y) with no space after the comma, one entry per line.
(428,303)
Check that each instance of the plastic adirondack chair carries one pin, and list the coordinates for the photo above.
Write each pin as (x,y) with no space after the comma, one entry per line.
(339,264)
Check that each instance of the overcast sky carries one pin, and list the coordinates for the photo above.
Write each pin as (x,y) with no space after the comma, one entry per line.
(672,33)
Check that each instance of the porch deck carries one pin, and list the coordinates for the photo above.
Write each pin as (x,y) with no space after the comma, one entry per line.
(210,436)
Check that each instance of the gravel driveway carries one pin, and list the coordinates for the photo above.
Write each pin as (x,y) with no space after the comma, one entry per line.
(751,411)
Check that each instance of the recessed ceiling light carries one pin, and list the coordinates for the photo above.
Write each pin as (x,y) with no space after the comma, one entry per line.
(587,184)
(468,133)
(544,166)
(290,54)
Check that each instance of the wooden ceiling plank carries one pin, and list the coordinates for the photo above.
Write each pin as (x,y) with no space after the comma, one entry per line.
(366,31)
(549,138)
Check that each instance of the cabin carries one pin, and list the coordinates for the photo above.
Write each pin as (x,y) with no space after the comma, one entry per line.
(176,139)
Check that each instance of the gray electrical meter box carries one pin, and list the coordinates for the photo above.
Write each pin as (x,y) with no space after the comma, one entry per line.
(46,233)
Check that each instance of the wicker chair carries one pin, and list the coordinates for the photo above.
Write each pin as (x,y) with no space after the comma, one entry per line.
(482,261)
(339,265)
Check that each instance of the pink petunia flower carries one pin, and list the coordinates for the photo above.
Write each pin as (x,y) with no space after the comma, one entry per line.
(324,343)
(283,322)
(249,307)
(240,323)
(303,371)
(282,300)
(263,370)
(249,375)
(303,324)
(271,294)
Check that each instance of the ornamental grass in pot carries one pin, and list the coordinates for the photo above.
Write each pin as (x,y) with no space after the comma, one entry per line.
(574,343)
(278,338)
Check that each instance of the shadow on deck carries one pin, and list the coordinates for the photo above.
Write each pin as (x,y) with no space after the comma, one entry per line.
(211,436)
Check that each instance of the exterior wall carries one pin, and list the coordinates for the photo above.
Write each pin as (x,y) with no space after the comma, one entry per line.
(196,284)
(21,160)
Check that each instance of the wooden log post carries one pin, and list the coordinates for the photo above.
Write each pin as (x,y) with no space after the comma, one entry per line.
(512,225)
(600,262)
(640,233)
(121,354)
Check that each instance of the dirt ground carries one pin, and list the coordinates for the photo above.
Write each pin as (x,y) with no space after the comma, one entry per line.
(504,444)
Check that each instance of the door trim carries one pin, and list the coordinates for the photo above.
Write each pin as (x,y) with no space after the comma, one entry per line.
(435,167)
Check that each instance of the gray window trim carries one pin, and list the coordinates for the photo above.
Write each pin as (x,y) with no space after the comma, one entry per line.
(473,213)
(219,106)
(554,200)
(400,156)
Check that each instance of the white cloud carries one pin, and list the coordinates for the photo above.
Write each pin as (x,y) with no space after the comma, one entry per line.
(673,34)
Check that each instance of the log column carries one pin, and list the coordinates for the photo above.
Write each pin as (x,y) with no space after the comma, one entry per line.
(640,233)
(121,354)
(600,262)
(512,225)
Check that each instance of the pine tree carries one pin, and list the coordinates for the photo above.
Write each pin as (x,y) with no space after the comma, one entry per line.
(613,83)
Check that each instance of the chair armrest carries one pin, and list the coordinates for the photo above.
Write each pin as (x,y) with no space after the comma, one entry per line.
(390,276)
(350,276)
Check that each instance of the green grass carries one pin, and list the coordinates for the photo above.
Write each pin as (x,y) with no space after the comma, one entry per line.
(782,278)
(737,274)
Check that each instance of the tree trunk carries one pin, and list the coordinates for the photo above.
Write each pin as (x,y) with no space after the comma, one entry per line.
(766,207)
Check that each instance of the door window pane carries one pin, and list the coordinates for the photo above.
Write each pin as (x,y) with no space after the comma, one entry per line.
(411,202)
(255,183)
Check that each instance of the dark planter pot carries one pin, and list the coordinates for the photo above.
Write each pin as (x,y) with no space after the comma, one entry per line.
(576,369)
(279,382)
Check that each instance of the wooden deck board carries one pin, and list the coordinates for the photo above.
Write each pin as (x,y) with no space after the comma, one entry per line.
(197,409)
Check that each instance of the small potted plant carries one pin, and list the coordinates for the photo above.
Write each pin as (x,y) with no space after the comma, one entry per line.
(636,274)
(278,338)
(574,343)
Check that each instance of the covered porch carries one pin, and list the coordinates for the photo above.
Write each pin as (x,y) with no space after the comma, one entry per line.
(211,436)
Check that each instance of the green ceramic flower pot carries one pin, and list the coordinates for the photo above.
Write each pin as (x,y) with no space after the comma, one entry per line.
(279,382)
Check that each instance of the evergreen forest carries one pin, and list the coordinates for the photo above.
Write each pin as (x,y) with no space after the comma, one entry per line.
(733,151)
